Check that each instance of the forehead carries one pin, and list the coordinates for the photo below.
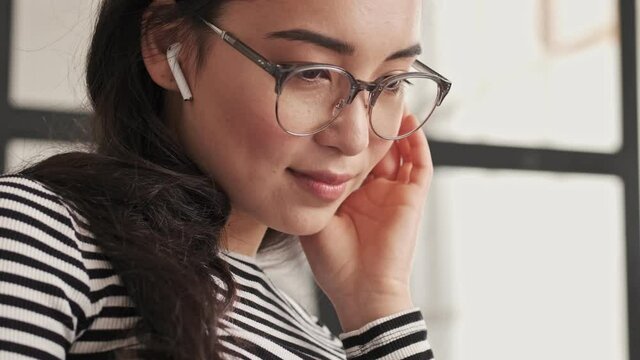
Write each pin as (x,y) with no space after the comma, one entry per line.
(370,25)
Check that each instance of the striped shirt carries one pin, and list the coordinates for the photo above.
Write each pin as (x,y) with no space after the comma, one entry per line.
(61,299)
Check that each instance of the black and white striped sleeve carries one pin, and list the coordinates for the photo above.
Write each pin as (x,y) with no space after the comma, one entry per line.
(398,336)
(44,291)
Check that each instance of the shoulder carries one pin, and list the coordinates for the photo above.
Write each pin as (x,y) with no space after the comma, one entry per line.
(34,221)
(54,280)
(33,215)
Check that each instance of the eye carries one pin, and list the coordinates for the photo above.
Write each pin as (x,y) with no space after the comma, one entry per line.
(314,74)
(396,86)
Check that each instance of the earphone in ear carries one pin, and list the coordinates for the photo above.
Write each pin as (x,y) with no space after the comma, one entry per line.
(178,75)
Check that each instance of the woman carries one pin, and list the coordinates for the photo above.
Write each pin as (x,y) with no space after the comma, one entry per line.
(216,133)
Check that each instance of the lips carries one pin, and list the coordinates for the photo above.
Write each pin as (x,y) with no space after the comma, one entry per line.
(326,177)
(324,185)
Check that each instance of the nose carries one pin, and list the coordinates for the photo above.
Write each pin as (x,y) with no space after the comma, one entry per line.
(349,133)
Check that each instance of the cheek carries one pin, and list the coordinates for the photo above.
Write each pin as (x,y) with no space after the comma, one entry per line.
(233,135)
(253,139)
(381,153)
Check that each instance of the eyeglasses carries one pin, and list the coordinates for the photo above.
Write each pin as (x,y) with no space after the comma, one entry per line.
(310,97)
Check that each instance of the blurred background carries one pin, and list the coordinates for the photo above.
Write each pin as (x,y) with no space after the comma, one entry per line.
(530,247)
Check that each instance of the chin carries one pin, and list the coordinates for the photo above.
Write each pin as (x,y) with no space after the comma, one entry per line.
(305,222)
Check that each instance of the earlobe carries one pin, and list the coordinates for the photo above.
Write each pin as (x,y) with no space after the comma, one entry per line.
(176,70)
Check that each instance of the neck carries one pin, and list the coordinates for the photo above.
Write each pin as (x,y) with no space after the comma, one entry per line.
(243,234)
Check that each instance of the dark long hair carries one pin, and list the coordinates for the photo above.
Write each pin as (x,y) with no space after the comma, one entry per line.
(153,212)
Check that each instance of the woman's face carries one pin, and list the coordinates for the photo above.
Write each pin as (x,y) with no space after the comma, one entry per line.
(230,127)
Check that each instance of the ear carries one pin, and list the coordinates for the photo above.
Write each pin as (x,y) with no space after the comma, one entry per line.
(163,65)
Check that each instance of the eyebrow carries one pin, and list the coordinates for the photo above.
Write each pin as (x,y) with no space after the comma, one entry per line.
(336,45)
(411,51)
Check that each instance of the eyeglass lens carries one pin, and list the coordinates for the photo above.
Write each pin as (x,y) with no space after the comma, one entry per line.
(313,97)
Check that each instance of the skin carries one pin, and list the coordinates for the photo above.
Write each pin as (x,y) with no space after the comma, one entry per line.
(360,246)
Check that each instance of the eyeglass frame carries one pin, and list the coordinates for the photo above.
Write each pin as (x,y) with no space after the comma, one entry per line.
(281,72)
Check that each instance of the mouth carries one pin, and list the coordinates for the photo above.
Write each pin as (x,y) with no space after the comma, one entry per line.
(325,185)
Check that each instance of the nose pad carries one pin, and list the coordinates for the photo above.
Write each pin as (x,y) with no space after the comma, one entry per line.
(337,109)
(342,103)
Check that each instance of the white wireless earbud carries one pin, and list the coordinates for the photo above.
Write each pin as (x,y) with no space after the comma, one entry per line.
(178,75)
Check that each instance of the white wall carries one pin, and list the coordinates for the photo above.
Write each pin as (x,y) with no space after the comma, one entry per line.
(514,86)
(525,266)
(49,42)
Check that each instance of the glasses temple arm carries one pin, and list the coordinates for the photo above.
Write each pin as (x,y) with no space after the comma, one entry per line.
(426,68)
(244,49)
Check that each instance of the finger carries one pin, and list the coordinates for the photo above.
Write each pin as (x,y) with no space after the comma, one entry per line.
(404,147)
(404,173)
(420,157)
(414,149)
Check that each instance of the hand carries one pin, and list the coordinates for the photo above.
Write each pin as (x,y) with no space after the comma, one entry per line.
(363,258)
